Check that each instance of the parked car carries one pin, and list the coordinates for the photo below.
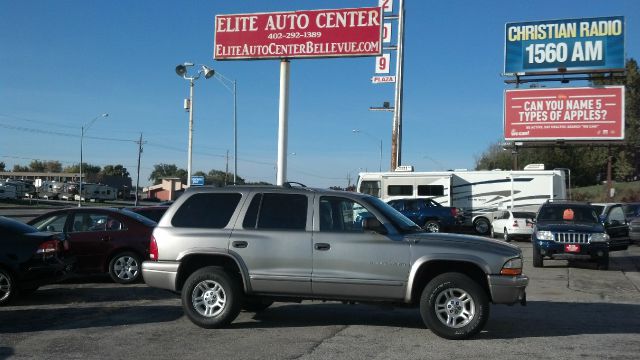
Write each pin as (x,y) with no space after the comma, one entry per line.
(634,231)
(571,231)
(512,224)
(429,214)
(29,258)
(615,223)
(245,246)
(103,240)
(631,211)
(152,212)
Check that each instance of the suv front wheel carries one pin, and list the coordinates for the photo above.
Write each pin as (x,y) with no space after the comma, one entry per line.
(454,306)
(211,298)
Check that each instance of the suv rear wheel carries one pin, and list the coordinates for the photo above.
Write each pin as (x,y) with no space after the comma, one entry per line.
(211,298)
(453,306)
(482,226)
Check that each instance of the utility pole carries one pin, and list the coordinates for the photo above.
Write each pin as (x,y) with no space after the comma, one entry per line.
(139,142)
(226,169)
(396,131)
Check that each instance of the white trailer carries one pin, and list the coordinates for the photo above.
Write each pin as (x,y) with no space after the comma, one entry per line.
(477,193)
(8,192)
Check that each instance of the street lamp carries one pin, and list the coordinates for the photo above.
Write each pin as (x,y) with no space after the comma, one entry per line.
(84,127)
(232,87)
(357,131)
(182,70)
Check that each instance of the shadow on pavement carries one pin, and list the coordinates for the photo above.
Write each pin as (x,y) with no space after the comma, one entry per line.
(90,294)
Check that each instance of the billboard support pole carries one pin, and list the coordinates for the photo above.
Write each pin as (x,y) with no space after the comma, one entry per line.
(396,132)
(608,195)
(281,176)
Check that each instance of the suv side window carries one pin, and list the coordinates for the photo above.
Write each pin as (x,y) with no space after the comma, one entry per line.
(277,211)
(206,210)
(341,215)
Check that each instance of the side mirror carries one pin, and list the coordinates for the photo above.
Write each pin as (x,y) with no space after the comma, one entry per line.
(373,224)
(602,218)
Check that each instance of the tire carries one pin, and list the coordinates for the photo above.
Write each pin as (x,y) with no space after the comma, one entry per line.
(482,226)
(603,262)
(454,294)
(537,257)
(256,304)
(505,236)
(125,268)
(211,298)
(7,287)
(432,226)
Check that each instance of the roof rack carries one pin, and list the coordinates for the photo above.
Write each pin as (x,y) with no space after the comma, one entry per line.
(289,184)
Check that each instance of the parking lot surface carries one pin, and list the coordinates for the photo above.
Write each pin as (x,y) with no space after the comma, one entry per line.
(574,312)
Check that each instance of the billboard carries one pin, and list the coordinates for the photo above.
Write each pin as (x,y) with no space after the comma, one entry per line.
(584,113)
(564,45)
(299,34)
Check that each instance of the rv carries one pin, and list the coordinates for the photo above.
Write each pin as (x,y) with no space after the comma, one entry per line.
(97,192)
(22,188)
(477,193)
(7,192)
(50,189)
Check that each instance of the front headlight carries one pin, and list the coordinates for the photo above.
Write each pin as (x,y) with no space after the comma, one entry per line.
(544,235)
(512,267)
(599,237)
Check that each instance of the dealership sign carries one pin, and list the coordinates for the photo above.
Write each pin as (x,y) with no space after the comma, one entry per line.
(586,113)
(299,34)
(564,45)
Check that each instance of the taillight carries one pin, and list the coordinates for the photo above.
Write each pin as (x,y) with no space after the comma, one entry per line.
(153,249)
(454,212)
(515,223)
(48,247)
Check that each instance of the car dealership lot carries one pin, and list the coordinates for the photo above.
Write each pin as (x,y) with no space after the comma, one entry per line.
(573,312)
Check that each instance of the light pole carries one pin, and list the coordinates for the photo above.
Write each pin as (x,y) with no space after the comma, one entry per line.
(357,131)
(86,126)
(232,87)
(181,70)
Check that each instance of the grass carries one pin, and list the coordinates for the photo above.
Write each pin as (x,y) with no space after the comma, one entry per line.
(624,192)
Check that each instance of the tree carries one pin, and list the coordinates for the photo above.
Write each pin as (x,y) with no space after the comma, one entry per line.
(221,178)
(20,168)
(117,170)
(45,166)
(2,166)
(167,170)
(88,170)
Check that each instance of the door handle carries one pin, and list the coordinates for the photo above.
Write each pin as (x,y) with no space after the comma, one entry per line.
(239,244)
(322,246)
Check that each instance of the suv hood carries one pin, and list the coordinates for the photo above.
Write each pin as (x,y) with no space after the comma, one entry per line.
(568,227)
(479,243)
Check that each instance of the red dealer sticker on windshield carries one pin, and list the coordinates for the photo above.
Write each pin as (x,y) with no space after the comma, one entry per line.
(567,214)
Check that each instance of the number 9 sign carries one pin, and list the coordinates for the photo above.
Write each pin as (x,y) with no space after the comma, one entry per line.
(382,64)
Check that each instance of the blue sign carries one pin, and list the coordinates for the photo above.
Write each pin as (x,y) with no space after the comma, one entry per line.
(197,180)
(564,45)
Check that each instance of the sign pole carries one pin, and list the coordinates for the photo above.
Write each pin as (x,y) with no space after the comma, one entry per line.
(396,133)
(283,119)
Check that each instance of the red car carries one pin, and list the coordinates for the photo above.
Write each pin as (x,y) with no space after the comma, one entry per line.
(102,240)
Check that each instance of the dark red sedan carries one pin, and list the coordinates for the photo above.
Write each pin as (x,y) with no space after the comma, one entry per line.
(103,240)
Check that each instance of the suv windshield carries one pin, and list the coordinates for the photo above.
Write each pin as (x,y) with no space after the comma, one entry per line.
(574,213)
(399,221)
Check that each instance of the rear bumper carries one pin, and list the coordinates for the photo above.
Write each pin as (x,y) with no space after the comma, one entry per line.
(160,274)
(507,289)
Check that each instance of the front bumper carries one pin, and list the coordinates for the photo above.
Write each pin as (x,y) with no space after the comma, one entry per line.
(38,272)
(160,274)
(507,289)
(556,250)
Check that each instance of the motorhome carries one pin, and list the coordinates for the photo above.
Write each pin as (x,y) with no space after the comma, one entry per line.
(477,193)
(7,192)
(49,189)
(22,188)
(97,192)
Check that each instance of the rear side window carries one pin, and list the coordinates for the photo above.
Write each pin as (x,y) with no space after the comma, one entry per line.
(395,190)
(204,210)
(277,211)
(430,190)
(370,187)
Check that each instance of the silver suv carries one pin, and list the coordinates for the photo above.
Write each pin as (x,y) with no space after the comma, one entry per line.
(230,248)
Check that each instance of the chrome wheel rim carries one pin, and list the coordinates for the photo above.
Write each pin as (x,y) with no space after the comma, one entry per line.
(455,308)
(126,268)
(5,287)
(208,298)
(432,227)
